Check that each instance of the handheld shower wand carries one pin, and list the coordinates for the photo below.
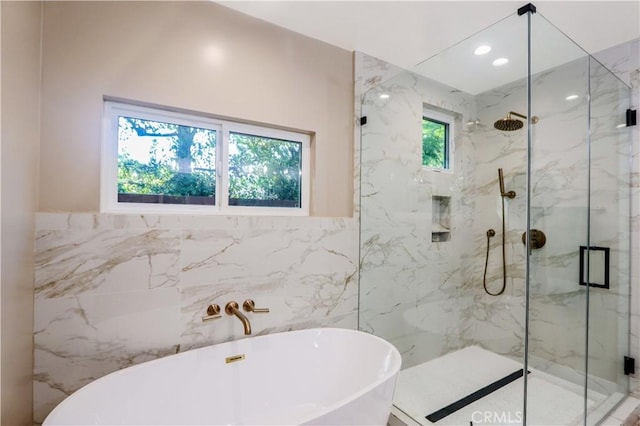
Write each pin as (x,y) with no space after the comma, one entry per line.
(510,194)
(491,233)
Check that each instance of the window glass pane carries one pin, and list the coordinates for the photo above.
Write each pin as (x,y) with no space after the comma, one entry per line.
(435,140)
(264,171)
(165,163)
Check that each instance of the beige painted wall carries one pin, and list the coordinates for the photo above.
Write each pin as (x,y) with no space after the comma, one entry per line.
(194,55)
(21,24)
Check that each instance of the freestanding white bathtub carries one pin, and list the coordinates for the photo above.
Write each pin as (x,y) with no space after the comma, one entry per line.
(318,376)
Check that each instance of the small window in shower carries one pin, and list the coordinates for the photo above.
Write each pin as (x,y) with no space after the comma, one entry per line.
(436,136)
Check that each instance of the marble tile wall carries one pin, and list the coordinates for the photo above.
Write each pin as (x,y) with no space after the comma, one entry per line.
(112,291)
(427,297)
(411,287)
(369,73)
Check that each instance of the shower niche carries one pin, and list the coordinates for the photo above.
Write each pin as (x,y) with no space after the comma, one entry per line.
(440,218)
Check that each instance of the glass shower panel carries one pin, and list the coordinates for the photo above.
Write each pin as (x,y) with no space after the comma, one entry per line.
(559,206)
(410,275)
(609,258)
(424,231)
(576,185)
(392,238)
(410,271)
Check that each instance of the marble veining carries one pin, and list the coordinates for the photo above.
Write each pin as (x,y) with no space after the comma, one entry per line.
(116,290)
(426,297)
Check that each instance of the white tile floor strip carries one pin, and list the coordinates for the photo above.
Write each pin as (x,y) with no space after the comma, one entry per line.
(435,384)
(618,416)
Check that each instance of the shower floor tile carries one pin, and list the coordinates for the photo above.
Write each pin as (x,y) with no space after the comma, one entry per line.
(430,386)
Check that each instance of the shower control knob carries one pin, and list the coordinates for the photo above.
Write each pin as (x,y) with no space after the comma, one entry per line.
(538,238)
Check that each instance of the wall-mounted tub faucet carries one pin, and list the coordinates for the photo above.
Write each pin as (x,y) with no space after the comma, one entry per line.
(232,308)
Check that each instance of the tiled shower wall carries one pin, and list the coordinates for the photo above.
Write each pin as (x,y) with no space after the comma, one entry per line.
(406,277)
(113,291)
(426,297)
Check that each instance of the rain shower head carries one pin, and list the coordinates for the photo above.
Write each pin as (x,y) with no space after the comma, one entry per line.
(509,124)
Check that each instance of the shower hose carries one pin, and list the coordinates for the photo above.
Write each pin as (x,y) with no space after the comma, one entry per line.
(491,233)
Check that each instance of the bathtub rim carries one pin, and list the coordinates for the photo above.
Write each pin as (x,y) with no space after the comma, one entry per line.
(393,370)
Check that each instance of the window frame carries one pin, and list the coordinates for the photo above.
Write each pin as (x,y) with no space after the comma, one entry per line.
(109,162)
(438,116)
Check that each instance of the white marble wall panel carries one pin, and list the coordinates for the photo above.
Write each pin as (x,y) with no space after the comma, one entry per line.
(369,72)
(409,284)
(116,290)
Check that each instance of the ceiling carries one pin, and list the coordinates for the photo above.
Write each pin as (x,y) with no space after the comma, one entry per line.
(405,33)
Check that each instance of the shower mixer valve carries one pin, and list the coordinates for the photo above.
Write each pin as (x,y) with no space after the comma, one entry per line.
(538,239)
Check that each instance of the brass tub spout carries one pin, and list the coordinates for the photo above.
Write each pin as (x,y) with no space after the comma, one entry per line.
(232,308)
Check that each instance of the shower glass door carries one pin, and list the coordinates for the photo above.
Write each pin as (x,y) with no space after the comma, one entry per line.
(579,197)
(609,237)
(559,207)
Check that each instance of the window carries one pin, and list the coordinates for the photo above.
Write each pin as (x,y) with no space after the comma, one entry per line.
(158,161)
(436,135)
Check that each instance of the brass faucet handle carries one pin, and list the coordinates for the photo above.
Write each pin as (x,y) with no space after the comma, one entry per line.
(230,307)
(213,312)
(250,306)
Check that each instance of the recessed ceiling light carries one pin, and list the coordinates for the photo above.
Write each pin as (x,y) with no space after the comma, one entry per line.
(384,96)
(572,97)
(482,50)
(500,62)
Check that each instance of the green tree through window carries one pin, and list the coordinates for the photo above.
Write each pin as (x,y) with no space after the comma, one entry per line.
(164,159)
(174,164)
(435,143)
(264,171)
(159,160)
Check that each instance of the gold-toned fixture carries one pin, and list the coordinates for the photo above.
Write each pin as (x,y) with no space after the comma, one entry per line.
(213,312)
(250,306)
(509,124)
(491,233)
(538,239)
(232,308)
(234,358)
(510,194)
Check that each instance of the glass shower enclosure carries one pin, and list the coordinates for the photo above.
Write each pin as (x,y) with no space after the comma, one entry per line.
(501,269)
